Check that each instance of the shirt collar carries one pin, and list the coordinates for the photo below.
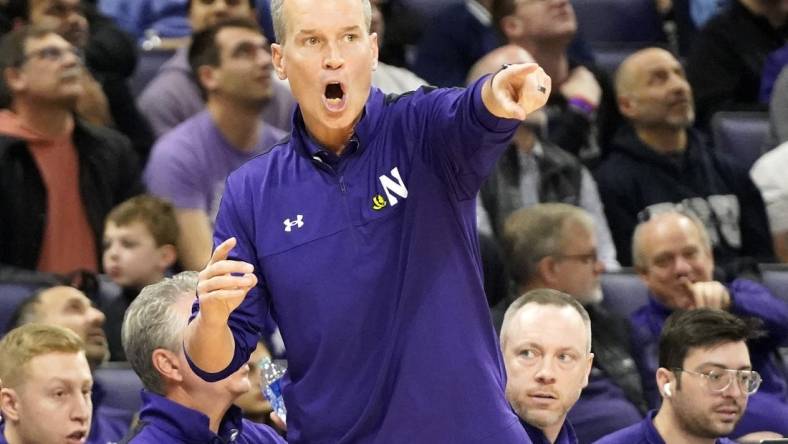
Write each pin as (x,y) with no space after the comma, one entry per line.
(565,436)
(187,424)
(363,133)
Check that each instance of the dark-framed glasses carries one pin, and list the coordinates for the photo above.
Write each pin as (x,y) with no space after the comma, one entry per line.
(719,379)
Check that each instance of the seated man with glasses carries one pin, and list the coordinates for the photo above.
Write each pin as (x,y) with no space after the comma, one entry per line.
(672,255)
(60,174)
(705,378)
(554,246)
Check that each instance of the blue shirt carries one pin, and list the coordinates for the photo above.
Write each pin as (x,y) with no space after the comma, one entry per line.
(643,432)
(369,263)
(565,436)
(164,421)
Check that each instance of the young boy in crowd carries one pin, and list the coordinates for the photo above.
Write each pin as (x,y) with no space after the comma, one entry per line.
(139,249)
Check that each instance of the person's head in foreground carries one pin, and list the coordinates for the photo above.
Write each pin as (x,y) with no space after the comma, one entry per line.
(705,375)
(45,396)
(327,53)
(546,345)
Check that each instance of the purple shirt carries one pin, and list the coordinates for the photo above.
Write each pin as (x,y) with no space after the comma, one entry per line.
(369,263)
(189,165)
(565,436)
(173,96)
(165,421)
(766,409)
(643,432)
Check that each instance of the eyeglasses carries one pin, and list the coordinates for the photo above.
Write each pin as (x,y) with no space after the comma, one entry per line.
(587,258)
(54,54)
(719,379)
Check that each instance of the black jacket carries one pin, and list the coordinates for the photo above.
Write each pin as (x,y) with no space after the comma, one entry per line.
(108,174)
(725,62)
(717,189)
(560,176)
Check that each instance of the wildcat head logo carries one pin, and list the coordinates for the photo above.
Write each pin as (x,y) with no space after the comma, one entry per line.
(379,202)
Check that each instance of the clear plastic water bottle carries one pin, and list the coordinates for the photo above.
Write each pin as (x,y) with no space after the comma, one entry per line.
(272,374)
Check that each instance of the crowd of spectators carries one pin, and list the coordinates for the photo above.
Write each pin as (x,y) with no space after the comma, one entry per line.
(107,190)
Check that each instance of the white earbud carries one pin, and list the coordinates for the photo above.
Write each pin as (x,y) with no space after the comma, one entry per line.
(668,392)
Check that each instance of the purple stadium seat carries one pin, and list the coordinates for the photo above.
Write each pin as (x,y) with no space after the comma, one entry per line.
(121,384)
(740,134)
(624,292)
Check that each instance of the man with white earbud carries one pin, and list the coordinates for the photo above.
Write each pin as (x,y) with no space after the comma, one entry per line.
(705,378)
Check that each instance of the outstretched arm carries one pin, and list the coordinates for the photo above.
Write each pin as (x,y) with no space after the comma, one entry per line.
(223,285)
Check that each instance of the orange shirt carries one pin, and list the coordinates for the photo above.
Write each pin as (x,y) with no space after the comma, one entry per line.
(69,243)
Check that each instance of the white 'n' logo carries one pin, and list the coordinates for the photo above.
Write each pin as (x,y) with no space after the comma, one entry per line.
(391,188)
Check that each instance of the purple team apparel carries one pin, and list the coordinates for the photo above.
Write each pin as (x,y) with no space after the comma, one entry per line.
(643,432)
(767,409)
(369,263)
(565,436)
(164,421)
(190,164)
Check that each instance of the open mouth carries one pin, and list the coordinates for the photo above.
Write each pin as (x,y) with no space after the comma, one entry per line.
(77,437)
(334,97)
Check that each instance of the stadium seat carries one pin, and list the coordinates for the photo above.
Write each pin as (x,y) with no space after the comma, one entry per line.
(740,134)
(624,292)
(635,22)
(121,384)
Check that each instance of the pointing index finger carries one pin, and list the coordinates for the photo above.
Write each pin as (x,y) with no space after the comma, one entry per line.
(222,251)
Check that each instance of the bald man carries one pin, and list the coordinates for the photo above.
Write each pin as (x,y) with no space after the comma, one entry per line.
(658,161)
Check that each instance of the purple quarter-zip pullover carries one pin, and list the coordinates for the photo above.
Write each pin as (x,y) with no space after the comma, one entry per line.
(369,263)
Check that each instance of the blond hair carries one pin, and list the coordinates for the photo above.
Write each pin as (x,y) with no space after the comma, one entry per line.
(24,343)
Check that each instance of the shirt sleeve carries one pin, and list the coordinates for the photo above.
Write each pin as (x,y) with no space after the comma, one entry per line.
(457,136)
(752,299)
(248,320)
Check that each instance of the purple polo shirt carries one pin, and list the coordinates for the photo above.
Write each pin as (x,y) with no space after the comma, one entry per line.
(369,263)
(643,432)
(165,421)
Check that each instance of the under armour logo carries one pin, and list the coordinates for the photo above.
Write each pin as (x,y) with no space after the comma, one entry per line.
(298,223)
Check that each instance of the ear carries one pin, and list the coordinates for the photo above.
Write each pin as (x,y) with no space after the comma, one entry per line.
(166,363)
(590,366)
(168,254)
(626,106)
(665,376)
(9,404)
(547,267)
(206,75)
(277,56)
(511,27)
(373,43)
(14,79)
